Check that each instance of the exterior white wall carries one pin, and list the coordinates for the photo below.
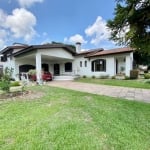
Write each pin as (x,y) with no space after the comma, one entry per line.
(61,53)
(62,68)
(50,64)
(81,70)
(57,52)
(22,62)
(110,65)
(10,63)
(1,63)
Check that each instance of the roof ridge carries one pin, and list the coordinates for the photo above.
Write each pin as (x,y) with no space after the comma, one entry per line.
(111,51)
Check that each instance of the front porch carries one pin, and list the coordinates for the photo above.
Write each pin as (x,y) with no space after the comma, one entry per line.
(60,66)
(123,65)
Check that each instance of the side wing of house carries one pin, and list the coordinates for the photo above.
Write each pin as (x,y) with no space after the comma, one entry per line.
(104,65)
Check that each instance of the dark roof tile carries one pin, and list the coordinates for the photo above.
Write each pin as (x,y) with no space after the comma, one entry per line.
(110,52)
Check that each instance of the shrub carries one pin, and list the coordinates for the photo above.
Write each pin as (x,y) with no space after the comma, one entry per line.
(93,77)
(5,79)
(1,74)
(127,78)
(134,74)
(148,82)
(5,85)
(113,77)
(84,76)
(32,72)
(147,75)
(15,83)
(104,76)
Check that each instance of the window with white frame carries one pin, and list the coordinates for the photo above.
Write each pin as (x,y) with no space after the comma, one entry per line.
(98,65)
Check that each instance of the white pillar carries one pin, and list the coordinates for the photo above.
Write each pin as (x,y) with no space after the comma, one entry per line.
(17,70)
(38,67)
(13,61)
(129,64)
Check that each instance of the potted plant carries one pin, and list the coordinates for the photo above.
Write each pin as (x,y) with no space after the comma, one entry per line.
(32,74)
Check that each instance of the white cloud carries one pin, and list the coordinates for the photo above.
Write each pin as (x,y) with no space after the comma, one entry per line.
(2,43)
(98,31)
(3,34)
(21,24)
(3,37)
(75,38)
(3,17)
(28,3)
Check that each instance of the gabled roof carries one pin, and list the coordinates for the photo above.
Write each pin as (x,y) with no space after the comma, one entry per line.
(26,49)
(109,52)
(21,49)
(92,51)
(13,47)
(46,46)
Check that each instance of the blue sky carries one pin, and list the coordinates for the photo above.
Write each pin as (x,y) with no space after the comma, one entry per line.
(68,21)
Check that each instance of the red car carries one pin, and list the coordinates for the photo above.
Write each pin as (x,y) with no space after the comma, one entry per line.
(46,76)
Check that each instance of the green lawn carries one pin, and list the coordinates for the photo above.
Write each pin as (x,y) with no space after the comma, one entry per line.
(69,120)
(114,82)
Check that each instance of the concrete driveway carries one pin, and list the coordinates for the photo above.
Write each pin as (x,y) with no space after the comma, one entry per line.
(113,91)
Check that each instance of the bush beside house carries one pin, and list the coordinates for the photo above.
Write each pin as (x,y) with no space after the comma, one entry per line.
(134,74)
(5,81)
(147,75)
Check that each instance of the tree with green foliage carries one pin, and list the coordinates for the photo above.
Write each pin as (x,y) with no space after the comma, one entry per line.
(142,58)
(131,24)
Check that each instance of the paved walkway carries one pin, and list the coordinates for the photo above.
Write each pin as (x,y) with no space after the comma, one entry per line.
(113,91)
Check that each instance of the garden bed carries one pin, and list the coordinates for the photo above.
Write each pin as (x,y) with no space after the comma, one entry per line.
(13,94)
(22,95)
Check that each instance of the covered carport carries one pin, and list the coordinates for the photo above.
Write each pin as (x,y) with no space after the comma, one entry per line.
(43,58)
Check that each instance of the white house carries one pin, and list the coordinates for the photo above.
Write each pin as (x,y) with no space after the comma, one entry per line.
(62,59)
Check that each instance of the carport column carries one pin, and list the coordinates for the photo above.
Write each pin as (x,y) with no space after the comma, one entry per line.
(129,64)
(38,67)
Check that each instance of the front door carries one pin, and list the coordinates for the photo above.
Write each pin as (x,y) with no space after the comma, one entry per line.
(56,69)
(45,67)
